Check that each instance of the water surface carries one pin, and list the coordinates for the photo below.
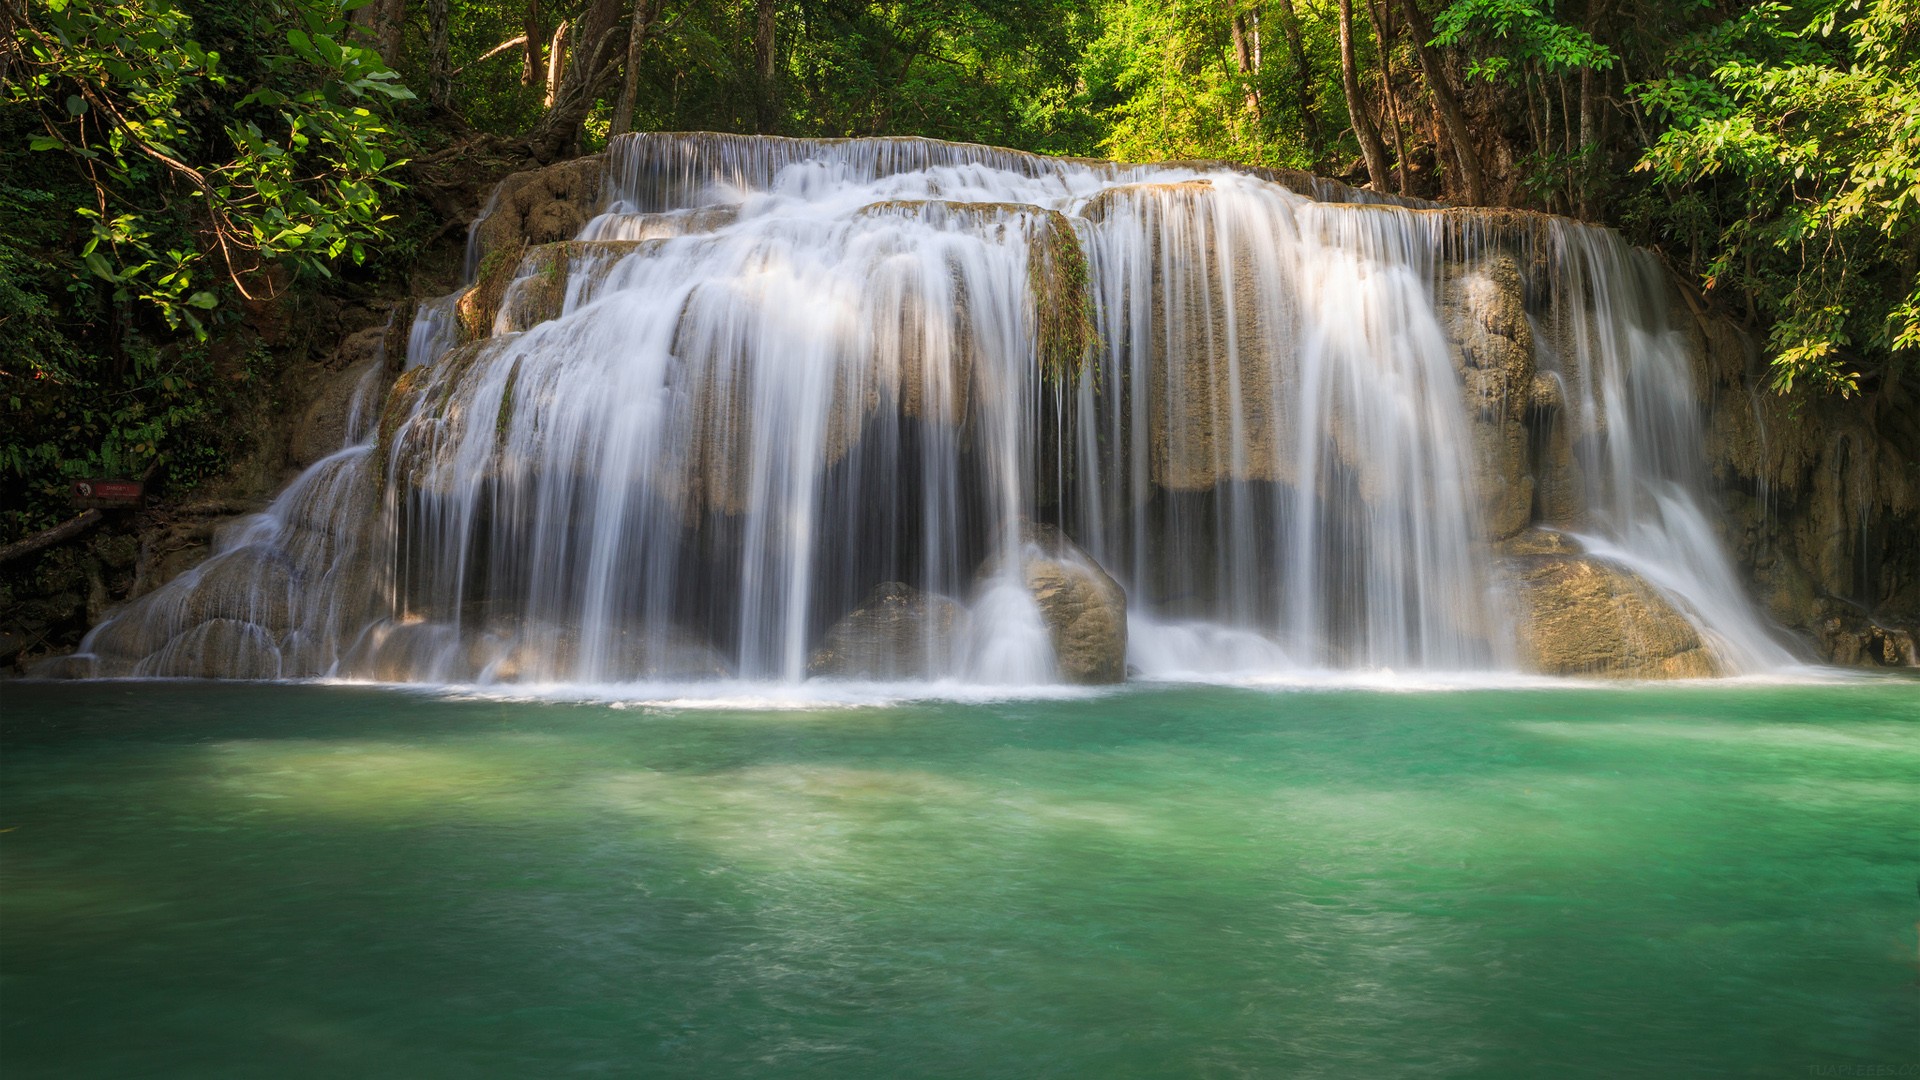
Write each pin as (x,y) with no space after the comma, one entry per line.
(205,880)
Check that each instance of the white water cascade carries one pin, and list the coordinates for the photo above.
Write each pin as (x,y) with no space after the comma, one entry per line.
(772,376)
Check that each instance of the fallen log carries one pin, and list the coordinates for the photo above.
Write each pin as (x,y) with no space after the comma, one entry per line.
(46,538)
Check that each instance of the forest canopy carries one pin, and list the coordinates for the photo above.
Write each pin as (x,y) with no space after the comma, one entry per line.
(166,166)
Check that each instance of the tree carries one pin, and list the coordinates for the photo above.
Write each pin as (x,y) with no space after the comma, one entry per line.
(1370,145)
(1814,111)
(295,180)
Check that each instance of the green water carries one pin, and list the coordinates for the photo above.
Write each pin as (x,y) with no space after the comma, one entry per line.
(209,881)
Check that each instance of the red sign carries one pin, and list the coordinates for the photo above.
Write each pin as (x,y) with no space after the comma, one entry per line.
(108,494)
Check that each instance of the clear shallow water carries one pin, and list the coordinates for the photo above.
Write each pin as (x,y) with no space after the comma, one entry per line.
(231,880)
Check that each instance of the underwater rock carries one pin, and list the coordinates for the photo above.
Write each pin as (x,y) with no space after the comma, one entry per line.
(897,632)
(1581,615)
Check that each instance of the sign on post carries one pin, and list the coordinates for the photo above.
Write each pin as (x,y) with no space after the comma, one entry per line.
(108,494)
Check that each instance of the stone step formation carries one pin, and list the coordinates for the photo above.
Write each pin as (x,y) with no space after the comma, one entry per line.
(771,409)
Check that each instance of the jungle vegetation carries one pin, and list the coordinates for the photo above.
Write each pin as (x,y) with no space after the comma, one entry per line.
(170,169)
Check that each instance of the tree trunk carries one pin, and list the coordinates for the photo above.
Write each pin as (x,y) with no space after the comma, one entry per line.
(1363,129)
(530,59)
(66,530)
(644,14)
(763,65)
(1243,59)
(1383,38)
(1589,123)
(1290,27)
(439,67)
(593,48)
(557,61)
(379,24)
(1447,103)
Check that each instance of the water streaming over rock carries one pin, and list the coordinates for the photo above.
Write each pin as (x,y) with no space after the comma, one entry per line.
(784,406)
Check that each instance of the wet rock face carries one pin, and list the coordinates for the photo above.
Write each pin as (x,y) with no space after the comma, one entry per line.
(528,209)
(218,649)
(1822,498)
(1852,641)
(897,632)
(1492,348)
(1084,609)
(1579,615)
(530,651)
(542,206)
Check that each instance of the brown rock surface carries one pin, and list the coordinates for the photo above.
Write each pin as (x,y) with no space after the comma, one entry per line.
(1492,349)
(1084,609)
(1822,494)
(1579,615)
(897,632)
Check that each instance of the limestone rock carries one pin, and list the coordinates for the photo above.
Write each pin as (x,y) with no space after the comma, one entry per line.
(1491,344)
(343,407)
(1832,534)
(1580,615)
(1858,642)
(539,652)
(528,209)
(897,632)
(539,287)
(1084,609)
(216,649)
(540,206)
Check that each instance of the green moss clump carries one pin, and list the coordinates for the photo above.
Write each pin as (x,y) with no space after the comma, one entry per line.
(504,418)
(1064,333)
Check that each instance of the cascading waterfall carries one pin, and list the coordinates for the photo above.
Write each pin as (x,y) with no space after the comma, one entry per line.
(1629,375)
(1296,461)
(773,376)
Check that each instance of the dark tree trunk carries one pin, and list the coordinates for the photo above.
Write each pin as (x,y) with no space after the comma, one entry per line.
(1245,59)
(644,14)
(1447,103)
(530,67)
(593,51)
(1290,28)
(763,66)
(1383,39)
(1370,145)
(379,24)
(439,67)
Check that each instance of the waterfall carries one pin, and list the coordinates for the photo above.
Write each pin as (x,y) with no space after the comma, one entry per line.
(1632,377)
(780,400)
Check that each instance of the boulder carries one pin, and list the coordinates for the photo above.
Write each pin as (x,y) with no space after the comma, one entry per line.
(542,652)
(1084,609)
(897,632)
(1859,642)
(1581,615)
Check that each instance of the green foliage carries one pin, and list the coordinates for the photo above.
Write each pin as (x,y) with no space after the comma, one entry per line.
(1517,32)
(163,163)
(1164,76)
(1814,113)
(161,159)
(127,93)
